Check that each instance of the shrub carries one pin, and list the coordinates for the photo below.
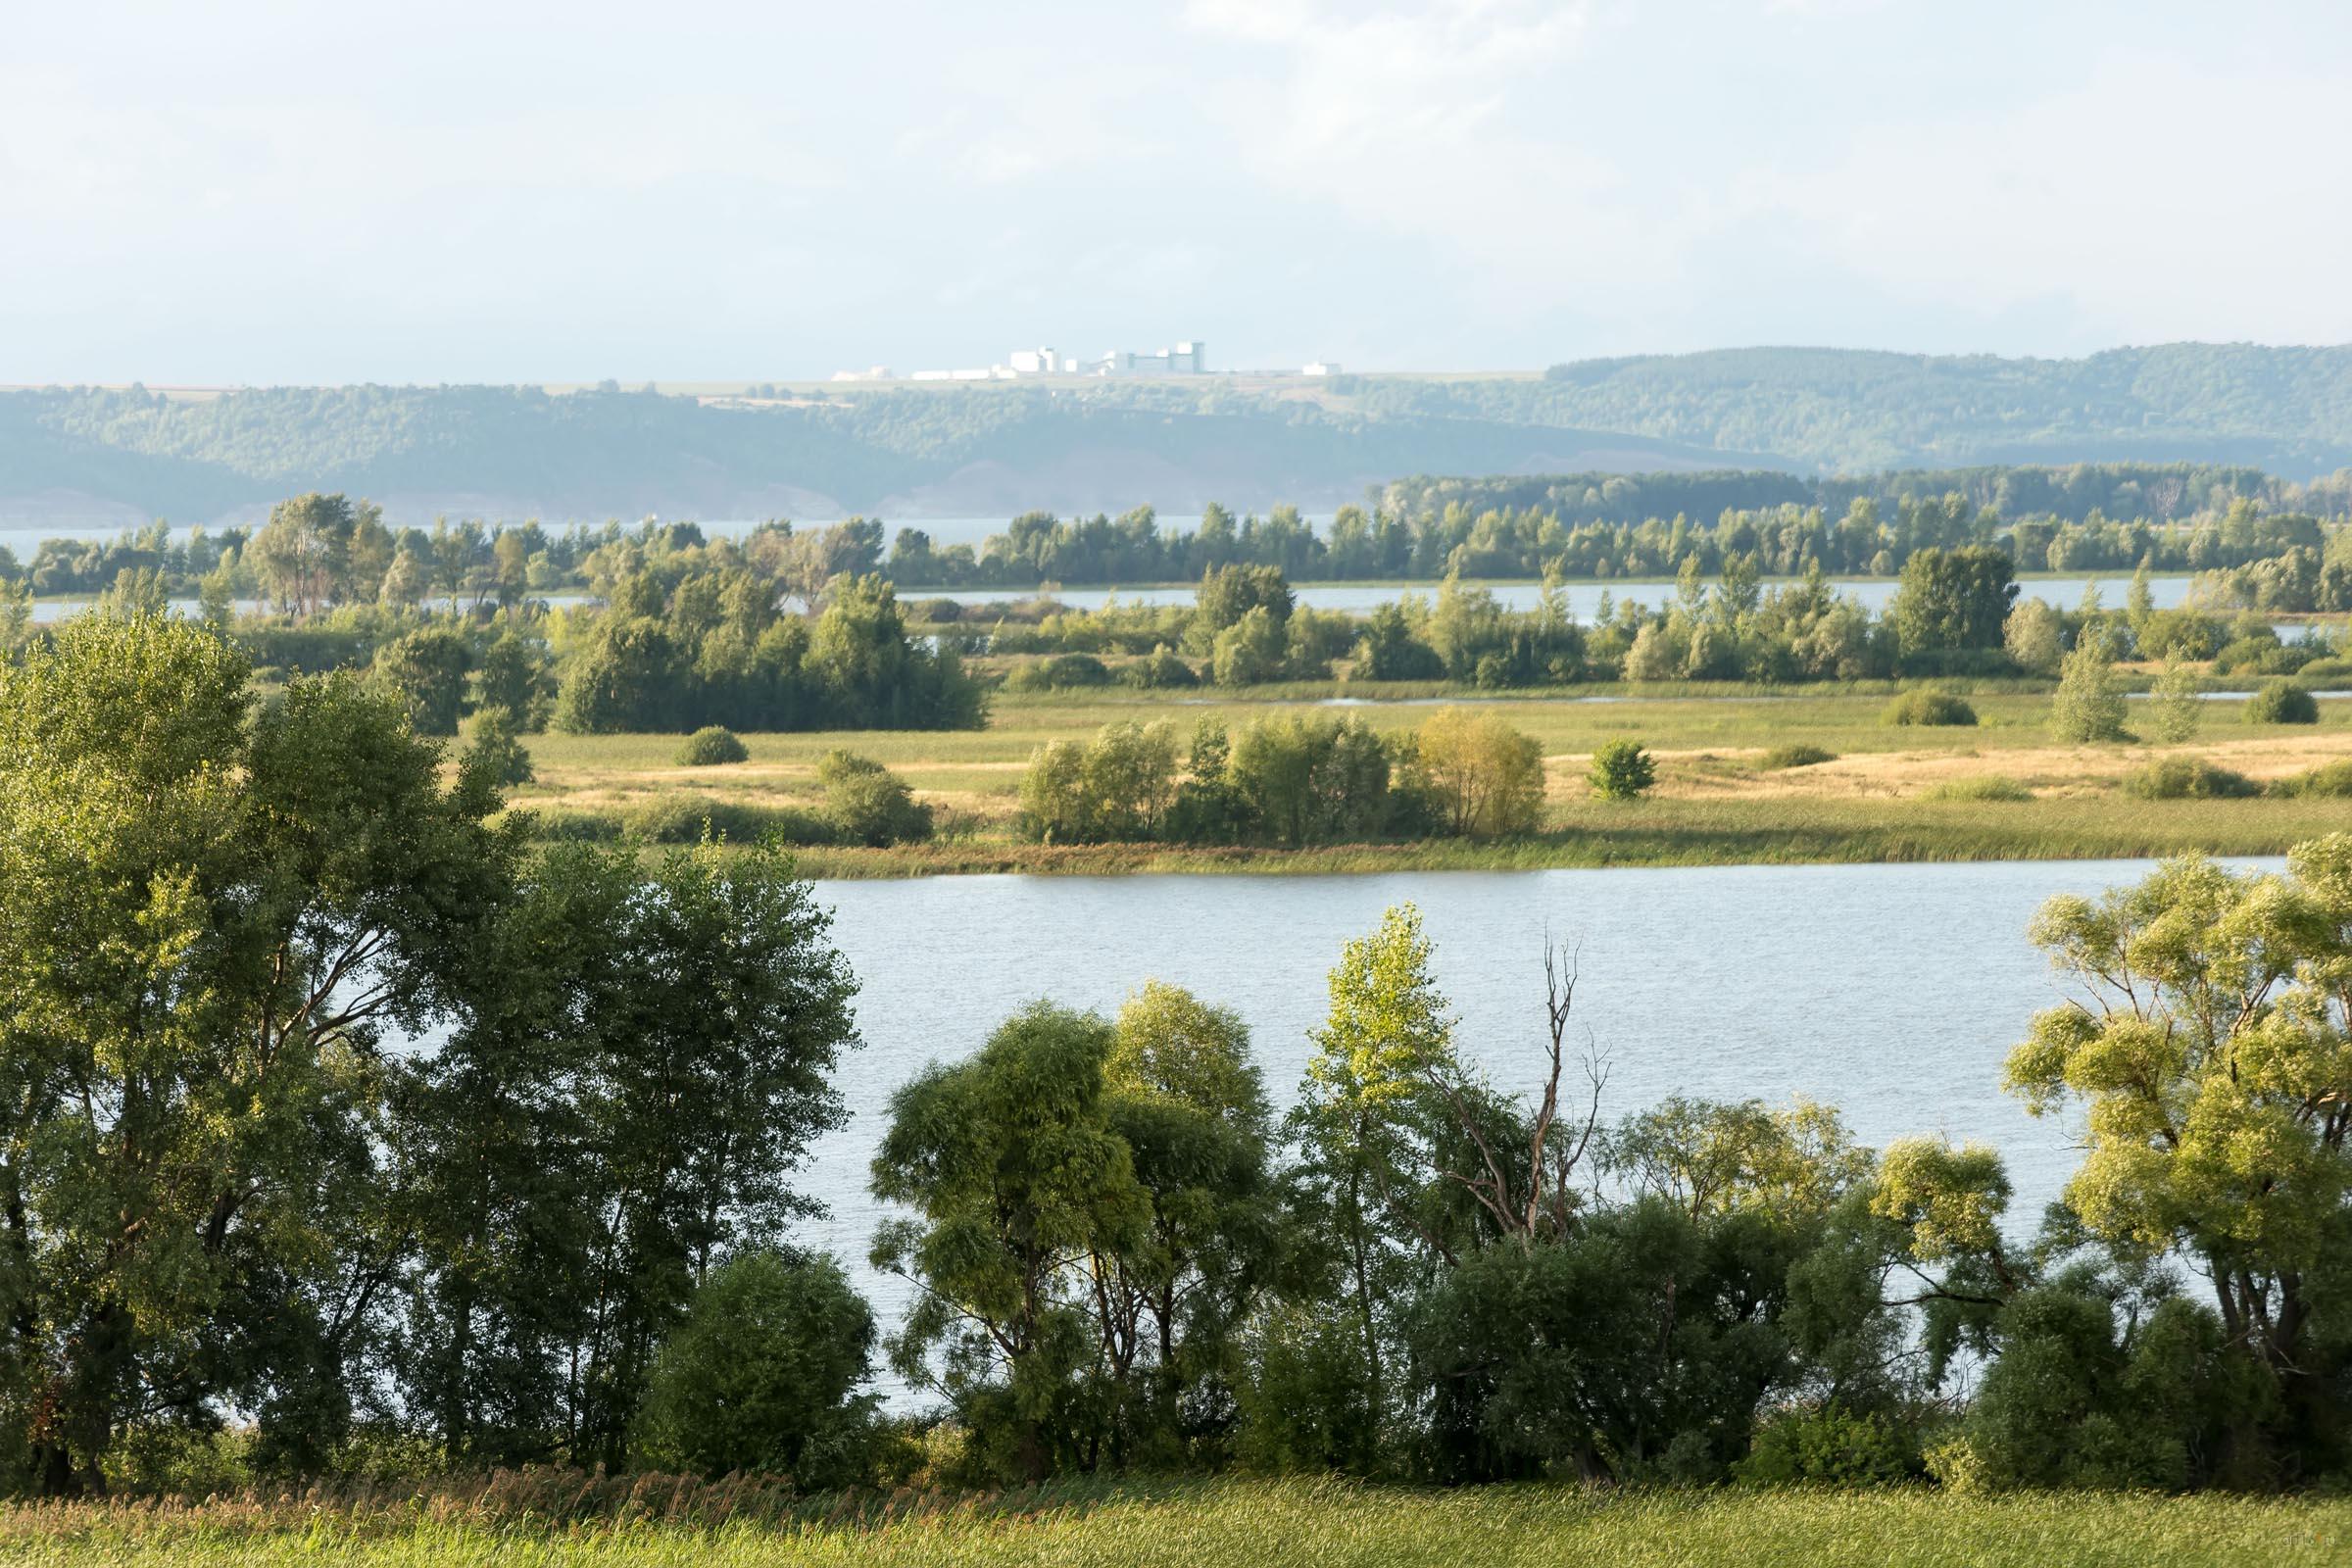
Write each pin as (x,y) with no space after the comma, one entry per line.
(2189,778)
(681,816)
(2283,704)
(1986,787)
(2331,781)
(1799,756)
(712,746)
(1061,673)
(1828,1447)
(762,1376)
(2326,670)
(1622,770)
(867,803)
(578,827)
(1929,708)
(1161,669)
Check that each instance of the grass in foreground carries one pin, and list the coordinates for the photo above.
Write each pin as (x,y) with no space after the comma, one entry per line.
(1255,1524)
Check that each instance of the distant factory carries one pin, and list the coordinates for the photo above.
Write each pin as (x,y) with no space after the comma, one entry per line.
(1188,357)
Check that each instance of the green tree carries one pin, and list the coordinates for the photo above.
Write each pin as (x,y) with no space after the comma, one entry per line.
(2088,705)
(515,678)
(761,1375)
(1016,1177)
(426,671)
(1952,600)
(213,920)
(1622,770)
(1187,1101)
(1310,781)
(1486,777)
(2208,1056)
(2035,636)
(2179,706)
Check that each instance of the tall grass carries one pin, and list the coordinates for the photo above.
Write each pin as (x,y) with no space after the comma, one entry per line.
(1226,1525)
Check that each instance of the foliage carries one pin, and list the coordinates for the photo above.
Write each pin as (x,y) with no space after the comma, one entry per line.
(867,803)
(1485,778)
(1620,771)
(428,670)
(712,746)
(2178,707)
(2189,778)
(1799,754)
(2282,702)
(2208,1054)
(2088,707)
(1929,707)
(761,1375)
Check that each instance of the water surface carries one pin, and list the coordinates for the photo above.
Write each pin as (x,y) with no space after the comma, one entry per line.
(1891,992)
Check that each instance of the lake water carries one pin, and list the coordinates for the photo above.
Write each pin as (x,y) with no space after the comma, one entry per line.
(1892,992)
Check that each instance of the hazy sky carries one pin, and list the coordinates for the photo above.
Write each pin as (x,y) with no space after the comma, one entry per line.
(431,192)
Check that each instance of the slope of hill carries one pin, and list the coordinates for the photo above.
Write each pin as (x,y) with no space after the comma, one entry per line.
(85,454)
(514,452)
(2286,410)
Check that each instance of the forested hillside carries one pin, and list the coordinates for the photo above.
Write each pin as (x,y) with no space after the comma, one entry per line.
(2288,409)
(119,456)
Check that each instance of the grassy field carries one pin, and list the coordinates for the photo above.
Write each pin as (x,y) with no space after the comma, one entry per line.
(1253,1525)
(1892,793)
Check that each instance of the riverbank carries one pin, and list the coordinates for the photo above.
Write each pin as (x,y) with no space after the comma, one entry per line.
(1244,1524)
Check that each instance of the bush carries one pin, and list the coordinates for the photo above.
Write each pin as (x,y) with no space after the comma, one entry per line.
(1781,756)
(1161,669)
(867,803)
(2326,670)
(681,818)
(578,827)
(762,1375)
(1622,770)
(1940,709)
(1987,787)
(1060,673)
(712,745)
(2333,781)
(2283,704)
(1828,1447)
(2189,778)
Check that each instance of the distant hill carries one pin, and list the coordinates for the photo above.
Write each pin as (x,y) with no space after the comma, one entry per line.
(2284,410)
(99,455)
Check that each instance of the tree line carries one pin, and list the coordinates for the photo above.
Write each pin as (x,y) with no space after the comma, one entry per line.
(343,1134)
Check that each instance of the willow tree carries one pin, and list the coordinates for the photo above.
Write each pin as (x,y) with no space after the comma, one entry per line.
(2210,1058)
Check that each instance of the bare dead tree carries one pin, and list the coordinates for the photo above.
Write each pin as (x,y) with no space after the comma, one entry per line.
(1527,1195)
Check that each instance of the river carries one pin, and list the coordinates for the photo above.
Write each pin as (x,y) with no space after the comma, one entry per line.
(1891,992)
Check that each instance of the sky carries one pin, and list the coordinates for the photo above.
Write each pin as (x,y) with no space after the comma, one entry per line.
(242,193)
